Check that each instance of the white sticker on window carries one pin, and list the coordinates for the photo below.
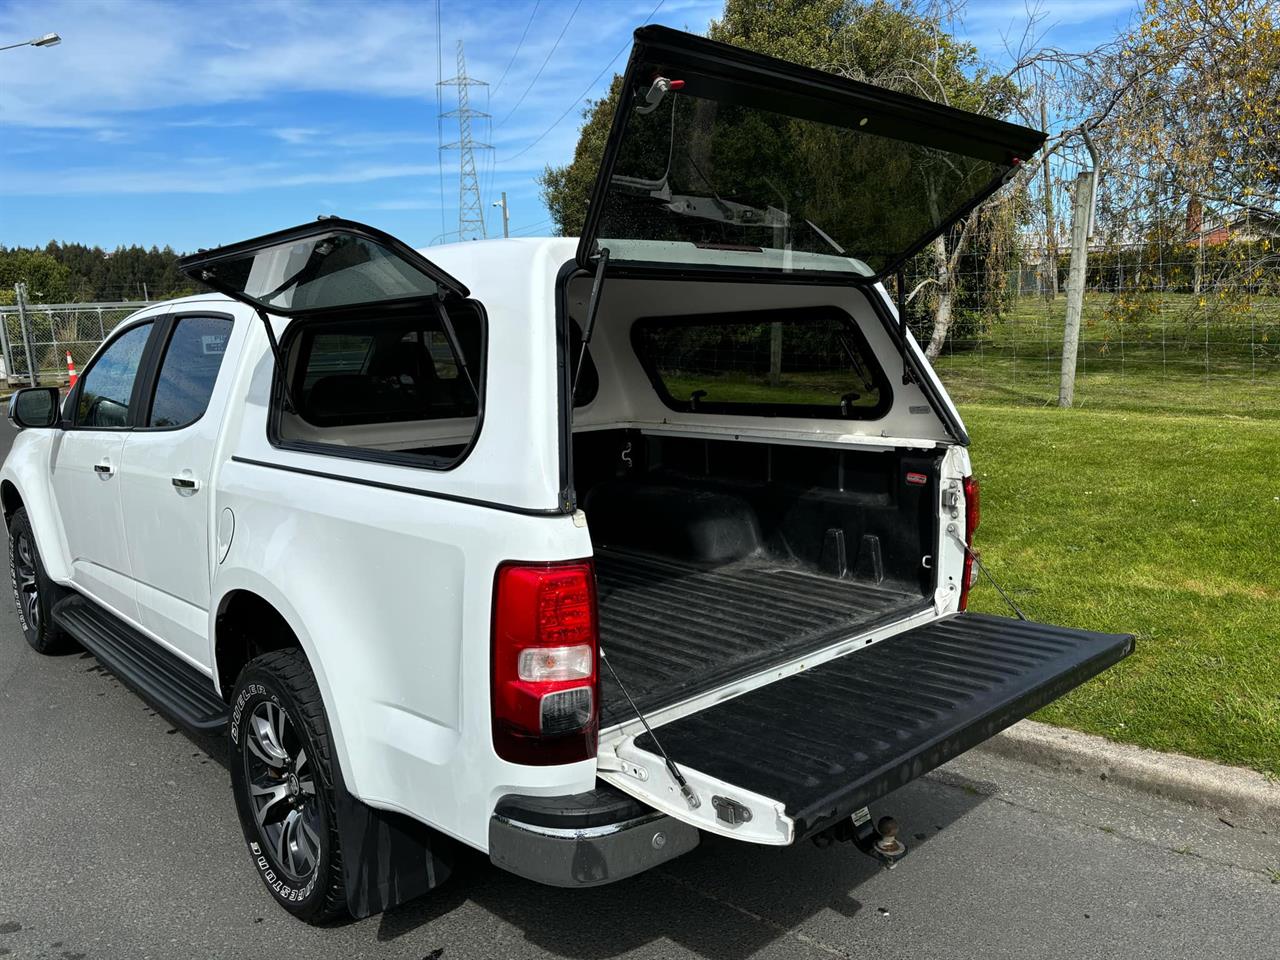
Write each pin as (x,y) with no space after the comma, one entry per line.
(213,343)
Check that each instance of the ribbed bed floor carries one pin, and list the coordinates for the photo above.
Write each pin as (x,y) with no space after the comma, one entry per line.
(673,629)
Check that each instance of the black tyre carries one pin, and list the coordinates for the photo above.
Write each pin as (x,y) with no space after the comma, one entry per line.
(282,777)
(33,591)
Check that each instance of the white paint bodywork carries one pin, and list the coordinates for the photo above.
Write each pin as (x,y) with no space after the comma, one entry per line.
(387,583)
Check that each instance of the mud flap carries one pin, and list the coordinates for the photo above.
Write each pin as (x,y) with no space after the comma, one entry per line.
(387,858)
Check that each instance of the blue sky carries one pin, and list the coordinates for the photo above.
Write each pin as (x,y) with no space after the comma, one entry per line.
(203,122)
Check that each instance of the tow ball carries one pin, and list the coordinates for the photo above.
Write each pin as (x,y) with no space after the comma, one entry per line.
(880,842)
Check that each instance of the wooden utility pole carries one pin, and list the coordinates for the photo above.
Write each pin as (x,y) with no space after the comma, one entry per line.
(1081,212)
(506,215)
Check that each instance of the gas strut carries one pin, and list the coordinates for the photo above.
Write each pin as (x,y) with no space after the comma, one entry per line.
(685,790)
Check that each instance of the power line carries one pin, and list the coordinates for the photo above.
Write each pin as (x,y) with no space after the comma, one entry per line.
(498,85)
(582,96)
(550,53)
(439,117)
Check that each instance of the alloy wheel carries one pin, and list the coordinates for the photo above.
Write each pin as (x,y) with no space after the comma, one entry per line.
(24,568)
(282,790)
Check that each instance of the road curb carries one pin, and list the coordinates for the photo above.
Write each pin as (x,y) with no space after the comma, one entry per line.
(1228,790)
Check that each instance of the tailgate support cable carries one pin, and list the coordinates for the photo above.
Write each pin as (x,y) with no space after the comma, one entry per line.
(593,307)
(685,790)
(987,573)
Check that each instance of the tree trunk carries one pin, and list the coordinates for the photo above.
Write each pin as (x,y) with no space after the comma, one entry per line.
(1050,263)
(942,310)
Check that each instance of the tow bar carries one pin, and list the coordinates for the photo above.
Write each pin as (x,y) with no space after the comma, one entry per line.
(879,842)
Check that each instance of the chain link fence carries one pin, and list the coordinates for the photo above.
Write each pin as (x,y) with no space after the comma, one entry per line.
(1181,307)
(40,345)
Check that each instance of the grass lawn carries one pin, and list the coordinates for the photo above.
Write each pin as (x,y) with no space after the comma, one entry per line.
(1163,525)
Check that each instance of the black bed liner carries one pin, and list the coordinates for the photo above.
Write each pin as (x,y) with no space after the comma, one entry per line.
(833,739)
(672,629)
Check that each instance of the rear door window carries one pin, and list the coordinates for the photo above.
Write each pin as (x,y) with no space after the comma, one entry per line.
(788,363)
(391,388)
(189,371)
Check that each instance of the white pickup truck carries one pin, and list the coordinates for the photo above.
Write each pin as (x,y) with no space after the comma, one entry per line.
(568,551)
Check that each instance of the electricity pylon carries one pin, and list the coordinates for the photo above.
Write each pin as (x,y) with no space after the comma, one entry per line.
(470,209)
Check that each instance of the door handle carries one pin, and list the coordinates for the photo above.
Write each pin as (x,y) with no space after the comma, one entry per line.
(185,483)
(105,469)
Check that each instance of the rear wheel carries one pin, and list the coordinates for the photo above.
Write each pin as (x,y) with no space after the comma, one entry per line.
(281,773)
(33,592)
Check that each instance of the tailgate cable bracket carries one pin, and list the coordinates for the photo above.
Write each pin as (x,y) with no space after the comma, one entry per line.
(986,573)
(686,791)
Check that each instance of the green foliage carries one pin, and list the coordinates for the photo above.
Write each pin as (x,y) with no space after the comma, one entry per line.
(74,272)
(47,280)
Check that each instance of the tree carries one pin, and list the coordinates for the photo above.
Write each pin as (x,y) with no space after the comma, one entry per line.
(902,46)
(47,280)
(1197,90)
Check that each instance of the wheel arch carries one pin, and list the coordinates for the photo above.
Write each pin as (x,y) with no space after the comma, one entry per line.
(10,499)
(24,483)
(244,600)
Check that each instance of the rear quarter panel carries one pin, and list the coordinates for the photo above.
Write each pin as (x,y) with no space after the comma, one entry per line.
(390,591)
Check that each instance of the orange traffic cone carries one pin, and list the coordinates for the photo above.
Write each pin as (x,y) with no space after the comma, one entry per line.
(71,370)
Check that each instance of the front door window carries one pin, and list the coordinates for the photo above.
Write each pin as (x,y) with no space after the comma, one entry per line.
(107,391)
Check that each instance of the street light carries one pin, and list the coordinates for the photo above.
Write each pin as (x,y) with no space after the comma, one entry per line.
(48,40)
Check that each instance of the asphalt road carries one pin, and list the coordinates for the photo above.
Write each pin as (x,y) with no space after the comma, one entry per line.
(118,839)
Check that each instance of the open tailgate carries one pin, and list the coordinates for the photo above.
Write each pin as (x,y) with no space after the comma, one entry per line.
(802,753)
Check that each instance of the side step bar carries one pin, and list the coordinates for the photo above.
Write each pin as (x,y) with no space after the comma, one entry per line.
(171,684)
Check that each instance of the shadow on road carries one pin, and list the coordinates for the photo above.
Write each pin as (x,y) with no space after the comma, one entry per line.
(723,901)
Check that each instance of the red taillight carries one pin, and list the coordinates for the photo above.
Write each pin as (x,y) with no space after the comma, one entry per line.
(972,517)
(545,651)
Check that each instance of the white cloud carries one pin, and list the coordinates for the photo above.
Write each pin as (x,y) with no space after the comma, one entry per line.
(148,54)
(295,134)
(214,177)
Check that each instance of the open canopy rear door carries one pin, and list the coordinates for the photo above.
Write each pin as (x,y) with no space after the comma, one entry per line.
(783,761)
(324,265)
(722,158)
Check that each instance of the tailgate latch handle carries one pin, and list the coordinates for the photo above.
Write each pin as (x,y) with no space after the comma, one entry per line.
(730,811)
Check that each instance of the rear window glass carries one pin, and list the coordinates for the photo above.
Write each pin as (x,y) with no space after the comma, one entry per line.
(189,371)
(779,363)
(392,389)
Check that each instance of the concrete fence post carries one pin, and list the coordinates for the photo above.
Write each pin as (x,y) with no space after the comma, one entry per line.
(20,292)
(1081,211)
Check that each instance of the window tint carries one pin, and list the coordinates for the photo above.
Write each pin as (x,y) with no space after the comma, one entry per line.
(328,270)
(783,363)
(189,371)
(108,385)
(387,386)
(333,354)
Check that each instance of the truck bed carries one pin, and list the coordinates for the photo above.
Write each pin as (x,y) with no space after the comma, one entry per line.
(673,629)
